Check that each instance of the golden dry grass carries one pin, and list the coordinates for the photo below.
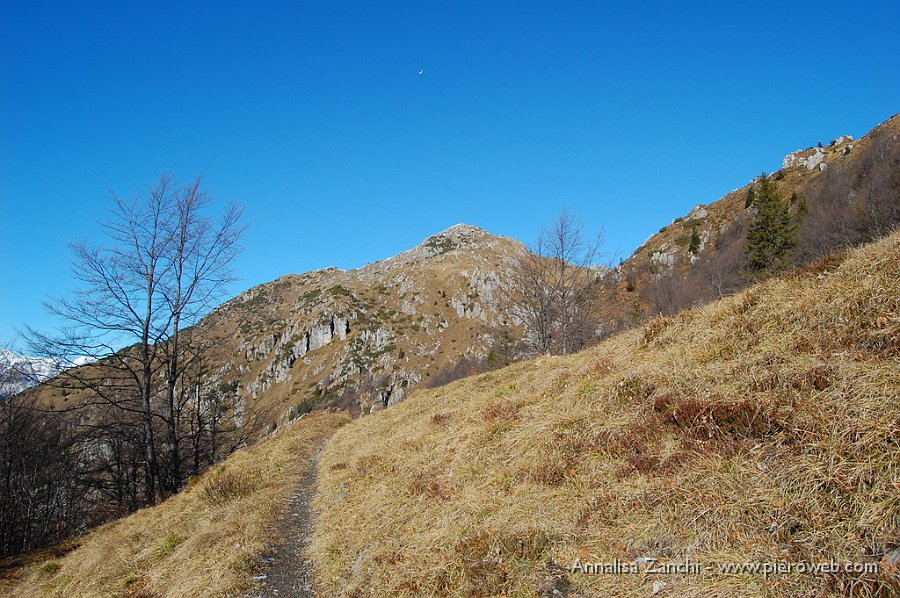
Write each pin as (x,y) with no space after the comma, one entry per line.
(762,427)
(204,541)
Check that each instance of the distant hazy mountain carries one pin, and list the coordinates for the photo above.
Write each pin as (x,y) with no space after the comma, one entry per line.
(18,372)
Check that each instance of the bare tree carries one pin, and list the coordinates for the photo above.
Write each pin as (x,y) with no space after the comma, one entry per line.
(120,304)
(557,287)
(163,265)
(660,291)
(201,253)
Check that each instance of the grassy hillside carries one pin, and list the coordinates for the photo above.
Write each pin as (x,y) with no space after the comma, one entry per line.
(763,427)
(204,541)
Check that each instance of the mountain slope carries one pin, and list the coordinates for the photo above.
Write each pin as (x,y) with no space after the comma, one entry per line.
(762,427)
(362,338)
(357,339)
(840,195)
(765,426)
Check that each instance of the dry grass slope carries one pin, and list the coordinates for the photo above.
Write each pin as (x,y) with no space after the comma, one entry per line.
(765,426)
(202,542)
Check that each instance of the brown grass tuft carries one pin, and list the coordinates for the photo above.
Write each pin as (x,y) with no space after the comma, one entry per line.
(424,483)
(499,412)
(715,418)
(440,418)
(653,331)
(487,558)
(225,485)
(818,377)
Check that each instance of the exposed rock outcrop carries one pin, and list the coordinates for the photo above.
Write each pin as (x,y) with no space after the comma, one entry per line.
(808,159)
(812,158)
(665,257)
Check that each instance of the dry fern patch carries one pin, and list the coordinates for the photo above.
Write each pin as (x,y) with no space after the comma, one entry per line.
(204,541)
(764,427)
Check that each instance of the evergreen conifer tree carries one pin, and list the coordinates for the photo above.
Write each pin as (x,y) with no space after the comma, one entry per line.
(772,234)
(694,246)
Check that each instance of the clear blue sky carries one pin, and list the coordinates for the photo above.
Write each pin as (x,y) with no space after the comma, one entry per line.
(313,115)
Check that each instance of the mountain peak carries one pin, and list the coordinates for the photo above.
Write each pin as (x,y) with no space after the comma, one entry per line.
(463,228)
(458,236)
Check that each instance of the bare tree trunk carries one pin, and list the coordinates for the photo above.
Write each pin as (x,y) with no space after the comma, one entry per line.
(152,468)
(171,415)
(163,267)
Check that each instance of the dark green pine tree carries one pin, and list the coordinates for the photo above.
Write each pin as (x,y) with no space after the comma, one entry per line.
(772,234)
(694,245)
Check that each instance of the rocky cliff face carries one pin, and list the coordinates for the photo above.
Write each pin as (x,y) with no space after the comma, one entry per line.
(364,338)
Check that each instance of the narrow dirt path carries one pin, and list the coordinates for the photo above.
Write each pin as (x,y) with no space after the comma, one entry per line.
(288,573)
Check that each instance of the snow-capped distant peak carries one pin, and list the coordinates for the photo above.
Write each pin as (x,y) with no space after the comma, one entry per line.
(18,372)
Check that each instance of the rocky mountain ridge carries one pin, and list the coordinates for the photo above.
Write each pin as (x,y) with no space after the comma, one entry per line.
(362,338)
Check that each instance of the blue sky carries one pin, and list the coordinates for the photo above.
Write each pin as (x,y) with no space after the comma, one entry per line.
(313,115)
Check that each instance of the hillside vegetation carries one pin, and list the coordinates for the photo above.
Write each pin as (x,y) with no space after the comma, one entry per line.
(205,541)
(843,194)
(762,427)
